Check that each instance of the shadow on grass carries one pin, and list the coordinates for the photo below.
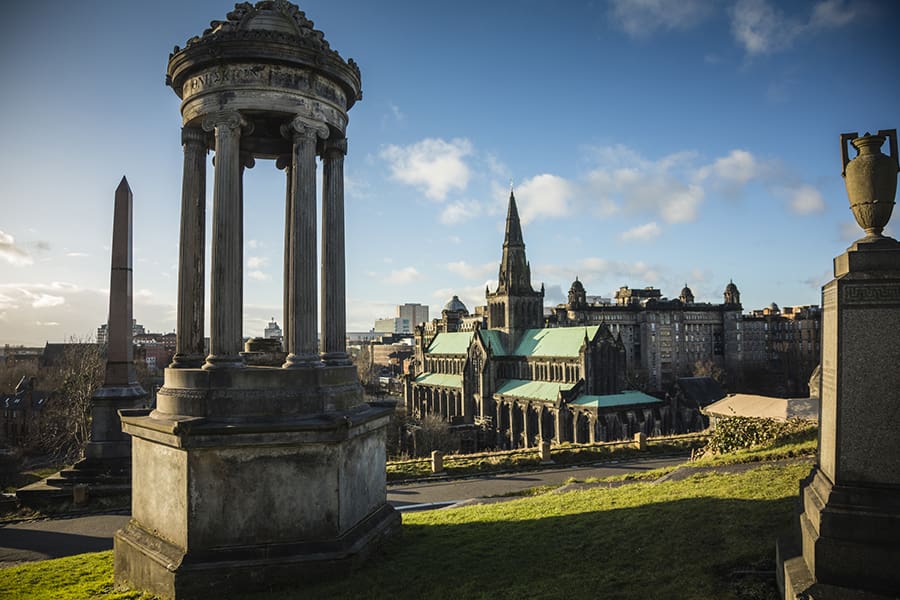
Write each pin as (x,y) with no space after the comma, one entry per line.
(28,544)
(683,549)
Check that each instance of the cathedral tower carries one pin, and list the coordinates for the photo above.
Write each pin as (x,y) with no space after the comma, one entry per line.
(515,306)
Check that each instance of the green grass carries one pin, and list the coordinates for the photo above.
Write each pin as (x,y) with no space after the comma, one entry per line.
(564,454)
(28,477)
(72,577)
(679,539)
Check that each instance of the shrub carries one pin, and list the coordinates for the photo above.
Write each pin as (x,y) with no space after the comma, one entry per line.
(736,433)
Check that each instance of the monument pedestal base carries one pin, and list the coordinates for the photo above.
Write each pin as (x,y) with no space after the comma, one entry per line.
(148,562)
(242,501)
(849,537)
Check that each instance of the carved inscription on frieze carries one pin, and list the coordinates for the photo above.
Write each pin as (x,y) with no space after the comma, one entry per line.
(269,76)
(872,294)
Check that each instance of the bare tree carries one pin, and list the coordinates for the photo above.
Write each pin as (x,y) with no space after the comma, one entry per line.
(707,368)
(66,422)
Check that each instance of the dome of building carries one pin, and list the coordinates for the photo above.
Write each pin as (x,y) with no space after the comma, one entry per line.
(577,287)
(774,308)
(686,295)
(731,288)
(456,305)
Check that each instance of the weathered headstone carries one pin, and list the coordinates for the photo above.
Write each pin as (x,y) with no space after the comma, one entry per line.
(546,459)
(437,462)
(848,544)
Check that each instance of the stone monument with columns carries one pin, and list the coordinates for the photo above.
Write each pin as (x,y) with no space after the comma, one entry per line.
(249,476)
(847,543)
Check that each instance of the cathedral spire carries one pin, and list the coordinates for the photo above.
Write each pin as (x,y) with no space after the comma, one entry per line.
(513,227)
(515,306)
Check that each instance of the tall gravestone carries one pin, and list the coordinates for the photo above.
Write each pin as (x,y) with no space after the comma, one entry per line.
(848,543)
(248,476)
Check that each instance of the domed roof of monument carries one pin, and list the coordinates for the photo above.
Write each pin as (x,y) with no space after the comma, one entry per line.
(456,305)
(731,287)
(774,307)
(268,16)
(686,291)
(268,31)
(577,286)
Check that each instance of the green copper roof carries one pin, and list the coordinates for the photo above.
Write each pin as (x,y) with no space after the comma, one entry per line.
(440,379)
(451,343)
(494,339)
(535,390)
(625,398)
(557,341)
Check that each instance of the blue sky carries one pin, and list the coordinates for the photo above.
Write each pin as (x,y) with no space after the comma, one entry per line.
(653,142)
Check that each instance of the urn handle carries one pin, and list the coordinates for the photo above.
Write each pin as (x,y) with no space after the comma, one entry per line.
(845,156)
(891,134)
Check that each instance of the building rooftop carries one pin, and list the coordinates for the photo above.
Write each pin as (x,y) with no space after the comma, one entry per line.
(456,342)
(626,398)
(768,407)
(558,341)
(440,380)
(534,390)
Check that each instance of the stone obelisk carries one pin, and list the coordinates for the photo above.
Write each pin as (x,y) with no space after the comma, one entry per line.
(120,389)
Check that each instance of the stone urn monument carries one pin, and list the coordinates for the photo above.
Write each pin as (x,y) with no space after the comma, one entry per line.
(871,179)
(847,538)
(253,474)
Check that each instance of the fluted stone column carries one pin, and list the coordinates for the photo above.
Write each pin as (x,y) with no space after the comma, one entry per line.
(191,252)
(246,161)
(286,162)
(302,347)
(334,298)
(225,339)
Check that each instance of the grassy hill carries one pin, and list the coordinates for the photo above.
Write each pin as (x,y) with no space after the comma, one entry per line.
(710,535)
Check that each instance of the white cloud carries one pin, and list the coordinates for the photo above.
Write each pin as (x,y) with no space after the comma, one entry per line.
(761,28)
(640,18)
(405,275)
(460,212)
(12,253)
(257,262)
(46,300)
(258,275)
(464,269)
(77,254)
(433,165)
(806,200)
(626,180)
(738,168)
(543,196)
(253,244)
(644,232)
(396,112)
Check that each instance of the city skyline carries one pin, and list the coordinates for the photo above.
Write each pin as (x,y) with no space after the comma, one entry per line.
(649,143)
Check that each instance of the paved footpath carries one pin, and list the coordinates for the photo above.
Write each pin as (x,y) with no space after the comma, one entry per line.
(52,538)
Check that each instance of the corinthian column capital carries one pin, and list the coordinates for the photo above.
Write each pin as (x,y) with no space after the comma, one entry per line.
(306,128)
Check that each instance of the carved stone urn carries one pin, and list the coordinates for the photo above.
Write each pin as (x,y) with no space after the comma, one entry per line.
(871,179)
